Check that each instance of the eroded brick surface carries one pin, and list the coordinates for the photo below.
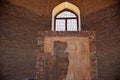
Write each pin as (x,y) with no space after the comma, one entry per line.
(82,52)
(56,65)
(19,28)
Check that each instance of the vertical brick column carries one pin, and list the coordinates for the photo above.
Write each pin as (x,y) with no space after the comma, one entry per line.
(40,59)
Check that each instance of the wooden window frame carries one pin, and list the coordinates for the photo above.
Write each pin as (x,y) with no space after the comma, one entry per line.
(68,18)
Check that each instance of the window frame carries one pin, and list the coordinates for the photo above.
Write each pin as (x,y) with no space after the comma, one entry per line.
(68,18)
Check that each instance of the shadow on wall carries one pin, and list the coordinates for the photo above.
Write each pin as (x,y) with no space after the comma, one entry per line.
(3,1)
(28,79)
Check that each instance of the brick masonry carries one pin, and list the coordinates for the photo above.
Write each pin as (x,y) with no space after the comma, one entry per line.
(106,23)
(18,32)
(19,28)
(41,54)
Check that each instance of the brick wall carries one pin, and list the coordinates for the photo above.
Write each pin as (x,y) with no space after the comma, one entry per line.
(106,23)
(19,28)
(18,32)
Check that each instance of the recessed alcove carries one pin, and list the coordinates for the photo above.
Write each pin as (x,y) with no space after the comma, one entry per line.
(66,56)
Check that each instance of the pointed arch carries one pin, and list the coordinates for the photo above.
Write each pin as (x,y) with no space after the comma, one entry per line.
(66,5)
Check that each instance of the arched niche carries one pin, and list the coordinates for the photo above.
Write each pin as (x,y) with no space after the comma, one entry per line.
(66,5)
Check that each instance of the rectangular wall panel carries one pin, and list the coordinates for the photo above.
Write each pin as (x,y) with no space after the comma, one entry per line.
(66,56)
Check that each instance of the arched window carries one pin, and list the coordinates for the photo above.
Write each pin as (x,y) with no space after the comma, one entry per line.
(66,20)
(66,17)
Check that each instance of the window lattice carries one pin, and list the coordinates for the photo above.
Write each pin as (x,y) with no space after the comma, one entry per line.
(66,21)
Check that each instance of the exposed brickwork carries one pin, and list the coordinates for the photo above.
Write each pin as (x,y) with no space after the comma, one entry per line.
(18,32)
(106,23)
(19,28)
(41,54)
(45,7)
